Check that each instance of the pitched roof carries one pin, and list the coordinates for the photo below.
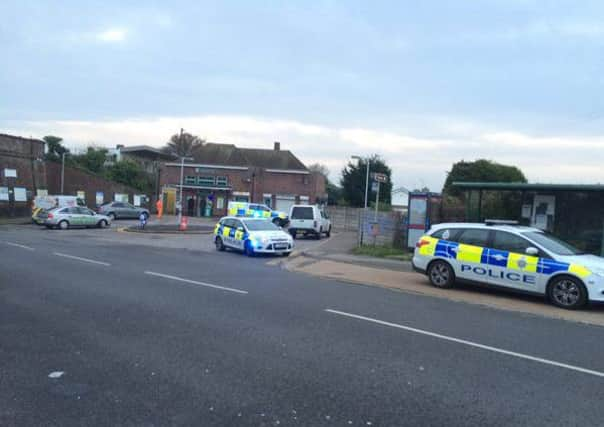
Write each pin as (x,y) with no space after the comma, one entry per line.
(220,154)
(230,155)
(272,159)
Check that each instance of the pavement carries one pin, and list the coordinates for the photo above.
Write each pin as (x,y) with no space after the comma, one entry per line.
(97,330)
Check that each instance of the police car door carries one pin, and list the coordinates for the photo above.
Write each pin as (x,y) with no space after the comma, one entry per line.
(238,233)
(471,263)
(509,265)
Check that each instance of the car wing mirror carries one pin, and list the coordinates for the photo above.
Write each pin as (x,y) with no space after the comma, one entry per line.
(532,251)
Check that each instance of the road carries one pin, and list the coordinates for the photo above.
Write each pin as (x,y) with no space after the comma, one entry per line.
(140,335)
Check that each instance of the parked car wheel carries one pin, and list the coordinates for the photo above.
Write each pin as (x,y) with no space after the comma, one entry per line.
(441,274)
(567,292)
(111,216)
(102,224)
(293,234)
(219,244)
(318,235)
(328,234)
(63,225)
(146,215)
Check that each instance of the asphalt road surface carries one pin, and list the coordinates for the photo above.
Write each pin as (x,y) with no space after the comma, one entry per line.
(94,333)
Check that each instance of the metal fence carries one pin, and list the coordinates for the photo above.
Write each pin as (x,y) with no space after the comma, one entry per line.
(388,229)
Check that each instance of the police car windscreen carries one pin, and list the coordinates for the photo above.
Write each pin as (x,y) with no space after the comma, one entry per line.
(302,213)
(260,225)
(553,244)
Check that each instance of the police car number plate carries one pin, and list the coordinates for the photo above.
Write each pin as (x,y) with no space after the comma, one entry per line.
(278,247)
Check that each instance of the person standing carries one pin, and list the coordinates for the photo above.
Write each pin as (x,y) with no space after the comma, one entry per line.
(160,208)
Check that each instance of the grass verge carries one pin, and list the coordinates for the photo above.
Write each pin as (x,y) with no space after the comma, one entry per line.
(381,251)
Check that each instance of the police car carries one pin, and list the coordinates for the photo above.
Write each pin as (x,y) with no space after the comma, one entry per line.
(256,210)
(252,236)
(502,254)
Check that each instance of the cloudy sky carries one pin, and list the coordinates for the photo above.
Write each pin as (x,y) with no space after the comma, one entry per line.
(424,84)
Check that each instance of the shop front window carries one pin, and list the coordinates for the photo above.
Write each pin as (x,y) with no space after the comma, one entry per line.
(222,181)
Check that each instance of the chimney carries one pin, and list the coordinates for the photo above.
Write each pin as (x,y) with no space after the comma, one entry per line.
(277,146)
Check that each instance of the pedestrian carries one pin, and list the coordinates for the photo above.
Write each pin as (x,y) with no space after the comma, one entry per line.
(160,207)
(143,220)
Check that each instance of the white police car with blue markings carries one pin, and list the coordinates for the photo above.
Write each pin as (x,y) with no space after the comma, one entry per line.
(252,236)
(501,254)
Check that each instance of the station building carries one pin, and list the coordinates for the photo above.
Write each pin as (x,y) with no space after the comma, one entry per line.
(220,173)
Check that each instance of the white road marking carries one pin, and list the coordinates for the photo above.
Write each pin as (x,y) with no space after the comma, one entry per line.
(92,261)
(56,374)
(471,344)
(18,245)
(194,282)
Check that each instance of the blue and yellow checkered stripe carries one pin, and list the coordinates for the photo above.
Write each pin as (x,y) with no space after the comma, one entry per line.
(512,261)
(221,230)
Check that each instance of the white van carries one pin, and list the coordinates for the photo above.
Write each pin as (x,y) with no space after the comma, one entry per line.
(308,220)
(42,204)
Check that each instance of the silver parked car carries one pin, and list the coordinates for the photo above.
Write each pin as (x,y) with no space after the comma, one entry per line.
(75,216)
(122,210)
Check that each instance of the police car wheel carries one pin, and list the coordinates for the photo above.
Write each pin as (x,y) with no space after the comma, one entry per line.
(249,251)
(567,292)
(63,225)
(219,244)
(102,224)
(441,274)
(111,216)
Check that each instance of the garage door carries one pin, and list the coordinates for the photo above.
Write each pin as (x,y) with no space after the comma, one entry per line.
(284,202)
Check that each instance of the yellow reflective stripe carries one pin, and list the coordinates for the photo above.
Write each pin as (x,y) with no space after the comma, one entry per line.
(266,214)
(226,231)
(239,235)
(469,253)
(579,270)
(249,212)
(430,248)
(522,262)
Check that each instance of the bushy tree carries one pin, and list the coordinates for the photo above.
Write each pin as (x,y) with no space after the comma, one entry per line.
(354,177)
(183,144)
(54,148)
(480,171)
(130,173)
(92,160)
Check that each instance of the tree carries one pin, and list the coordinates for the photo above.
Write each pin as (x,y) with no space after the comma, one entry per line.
(54,148)
(354,177)
(183,144)
(93,160)
(319,168)
(132,174)
(480,171)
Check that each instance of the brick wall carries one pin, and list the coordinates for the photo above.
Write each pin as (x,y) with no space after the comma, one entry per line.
(79,180)
(25,156)
(255,181)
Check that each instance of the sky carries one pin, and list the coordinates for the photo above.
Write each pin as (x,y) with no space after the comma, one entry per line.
(423,84)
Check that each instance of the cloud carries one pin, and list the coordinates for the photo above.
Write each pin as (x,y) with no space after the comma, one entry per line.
(416,160)
(112,35)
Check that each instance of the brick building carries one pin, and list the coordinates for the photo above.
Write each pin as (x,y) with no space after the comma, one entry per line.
(223,172)
(22,174)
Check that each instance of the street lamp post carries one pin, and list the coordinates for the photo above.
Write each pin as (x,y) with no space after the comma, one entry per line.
(182,170)
(62,171)
(359,158)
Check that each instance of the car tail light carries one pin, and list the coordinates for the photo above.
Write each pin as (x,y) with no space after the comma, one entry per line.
(50,216)
(421,243)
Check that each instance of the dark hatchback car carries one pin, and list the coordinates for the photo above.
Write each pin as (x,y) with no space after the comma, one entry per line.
(122,210)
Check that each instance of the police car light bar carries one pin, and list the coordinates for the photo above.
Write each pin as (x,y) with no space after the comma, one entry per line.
(500,222)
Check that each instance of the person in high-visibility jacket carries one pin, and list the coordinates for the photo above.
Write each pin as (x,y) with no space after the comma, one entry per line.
(160,208)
